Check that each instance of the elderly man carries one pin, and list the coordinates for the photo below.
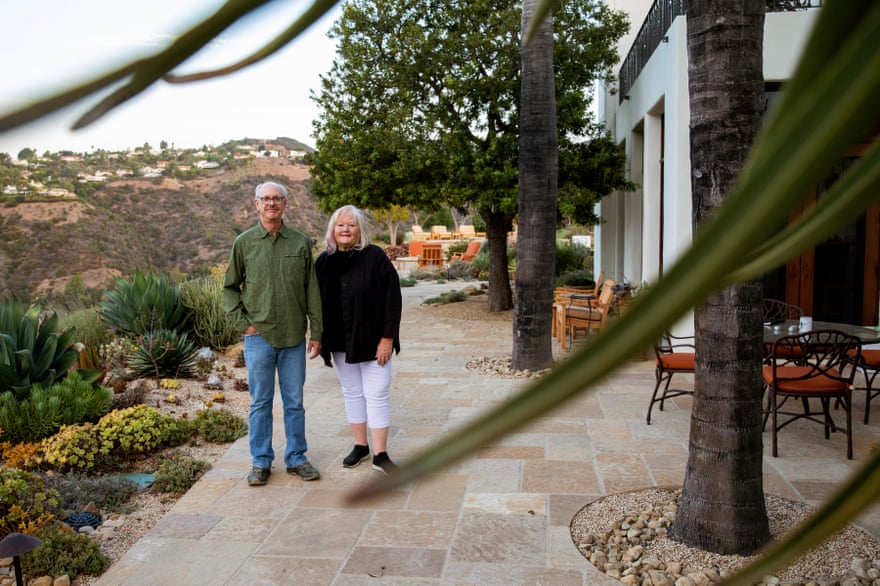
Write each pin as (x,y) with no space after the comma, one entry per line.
(271,292)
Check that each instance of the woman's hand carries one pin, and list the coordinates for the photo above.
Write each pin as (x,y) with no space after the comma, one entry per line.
(383,351)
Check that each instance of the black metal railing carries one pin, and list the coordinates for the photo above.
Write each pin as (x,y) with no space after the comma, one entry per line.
(656,25)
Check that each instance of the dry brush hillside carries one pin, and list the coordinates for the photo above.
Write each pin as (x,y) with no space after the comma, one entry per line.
(170,226)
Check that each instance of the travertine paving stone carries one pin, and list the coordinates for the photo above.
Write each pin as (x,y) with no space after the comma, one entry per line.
(500,517)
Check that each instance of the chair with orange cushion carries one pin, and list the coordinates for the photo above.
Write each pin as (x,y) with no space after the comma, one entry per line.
(825,370)
(777,311)
(675,355)
(870,367)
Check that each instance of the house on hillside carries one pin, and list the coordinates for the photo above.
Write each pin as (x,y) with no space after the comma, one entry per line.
(646,231)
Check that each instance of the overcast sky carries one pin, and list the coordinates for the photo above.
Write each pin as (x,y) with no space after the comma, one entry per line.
(47,45)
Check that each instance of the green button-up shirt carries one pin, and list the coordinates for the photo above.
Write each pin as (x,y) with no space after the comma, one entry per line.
(270,283)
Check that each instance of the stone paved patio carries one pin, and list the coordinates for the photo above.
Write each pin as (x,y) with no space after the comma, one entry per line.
(499,518)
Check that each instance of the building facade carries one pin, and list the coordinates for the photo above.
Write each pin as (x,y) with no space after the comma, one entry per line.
(648,114)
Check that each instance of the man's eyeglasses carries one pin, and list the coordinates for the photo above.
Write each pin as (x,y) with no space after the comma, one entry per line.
(271,199)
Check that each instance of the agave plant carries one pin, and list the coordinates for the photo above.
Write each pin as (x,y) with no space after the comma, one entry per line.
(163,353)
(32,350)
(143,304)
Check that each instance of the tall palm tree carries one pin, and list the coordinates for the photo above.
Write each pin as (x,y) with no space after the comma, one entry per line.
(536,246)
(722,506)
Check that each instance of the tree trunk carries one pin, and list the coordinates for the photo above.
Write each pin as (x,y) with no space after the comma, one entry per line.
(498,224)
(536,240)
(722,506)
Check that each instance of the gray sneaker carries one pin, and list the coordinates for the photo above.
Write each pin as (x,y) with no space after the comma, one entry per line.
(258,476)
(305,471)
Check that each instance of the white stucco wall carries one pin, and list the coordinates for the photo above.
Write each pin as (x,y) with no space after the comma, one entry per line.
(653,124)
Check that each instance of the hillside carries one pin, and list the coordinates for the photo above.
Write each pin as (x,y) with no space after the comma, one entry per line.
(167,225)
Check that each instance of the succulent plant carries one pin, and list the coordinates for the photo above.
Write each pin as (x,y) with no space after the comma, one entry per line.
(144,304)
(32,349)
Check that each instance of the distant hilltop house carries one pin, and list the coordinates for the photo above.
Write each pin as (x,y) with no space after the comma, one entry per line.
(97,177)
(204,164)
(58,192)
(271,153)
(150,172)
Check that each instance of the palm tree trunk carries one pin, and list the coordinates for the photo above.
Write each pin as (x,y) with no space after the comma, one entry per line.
(722,507)
(536,246)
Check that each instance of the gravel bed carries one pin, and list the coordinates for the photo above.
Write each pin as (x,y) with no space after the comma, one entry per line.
(625,536)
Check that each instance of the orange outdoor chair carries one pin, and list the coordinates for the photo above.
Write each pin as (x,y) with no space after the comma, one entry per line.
(869,364)
(473,249)
(824,370)
(675,355)
(432,256)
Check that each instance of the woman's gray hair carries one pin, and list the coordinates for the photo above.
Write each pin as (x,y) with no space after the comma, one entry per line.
(361,220)
(268,184)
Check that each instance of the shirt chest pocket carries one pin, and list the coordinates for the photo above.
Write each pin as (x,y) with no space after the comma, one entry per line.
(292,266)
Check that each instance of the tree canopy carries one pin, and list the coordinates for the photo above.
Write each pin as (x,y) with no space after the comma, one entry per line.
(421,105)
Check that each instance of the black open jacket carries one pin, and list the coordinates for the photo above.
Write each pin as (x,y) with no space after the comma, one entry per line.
(361,303)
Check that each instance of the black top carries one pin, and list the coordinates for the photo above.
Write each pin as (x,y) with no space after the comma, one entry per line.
(361,302)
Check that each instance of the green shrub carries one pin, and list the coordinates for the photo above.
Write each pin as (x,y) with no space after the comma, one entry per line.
(144,304)
(32,349)
(426,275)
(448,297)
(162,354)
(76,447)
(119,435)
(26,504)
(211,325)
(178,472)
(480,264)
(460,270)
(140,430)
(64,551)
(110,494)
(220,425)
(572,258)
(90,329)
(407,282)
(581,277)
(69,401)
(456,248)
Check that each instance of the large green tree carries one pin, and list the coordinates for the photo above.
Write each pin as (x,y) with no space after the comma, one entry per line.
(422,107)
(722,506)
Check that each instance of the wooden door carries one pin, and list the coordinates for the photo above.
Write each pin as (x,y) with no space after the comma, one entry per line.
(837,280)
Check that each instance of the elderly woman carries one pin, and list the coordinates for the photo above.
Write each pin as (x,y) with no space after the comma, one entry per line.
(361,302)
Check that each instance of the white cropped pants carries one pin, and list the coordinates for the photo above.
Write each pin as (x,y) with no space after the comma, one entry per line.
(366,387)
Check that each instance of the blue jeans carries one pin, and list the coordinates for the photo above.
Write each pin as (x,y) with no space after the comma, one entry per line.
(262,360)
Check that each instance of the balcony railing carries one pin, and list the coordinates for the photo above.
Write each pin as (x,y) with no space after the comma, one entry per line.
(656,25)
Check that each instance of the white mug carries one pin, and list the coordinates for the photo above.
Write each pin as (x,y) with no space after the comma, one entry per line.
(806,324)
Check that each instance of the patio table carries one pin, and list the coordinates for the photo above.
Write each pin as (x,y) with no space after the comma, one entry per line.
(868,335)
